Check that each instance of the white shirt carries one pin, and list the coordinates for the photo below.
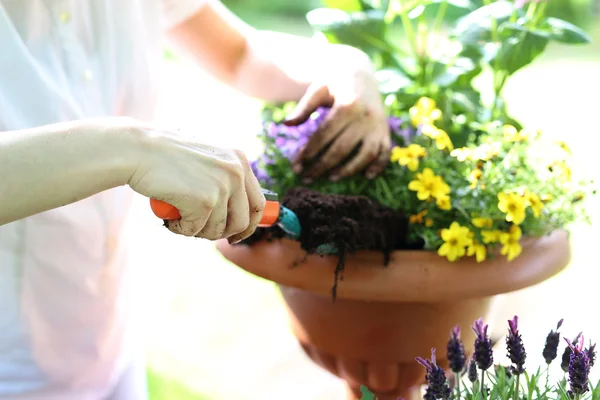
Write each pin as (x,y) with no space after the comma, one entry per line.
(63,292)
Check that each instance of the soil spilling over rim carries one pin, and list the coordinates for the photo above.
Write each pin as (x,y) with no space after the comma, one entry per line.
(348,223)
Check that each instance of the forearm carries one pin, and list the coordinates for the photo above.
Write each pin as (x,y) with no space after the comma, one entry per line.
(280,67)
(54,165)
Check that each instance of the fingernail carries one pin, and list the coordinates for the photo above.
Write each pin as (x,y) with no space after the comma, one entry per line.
(233,240)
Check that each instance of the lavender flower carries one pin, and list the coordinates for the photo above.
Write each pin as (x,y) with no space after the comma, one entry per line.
(484,355)
(262,175)
(579,369)
(552,340)
(566,357)
(515,347)
(436,379)
(472,370)
(456,351)
(591,353)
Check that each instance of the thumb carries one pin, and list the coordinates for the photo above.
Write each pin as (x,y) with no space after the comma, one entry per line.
(315,97)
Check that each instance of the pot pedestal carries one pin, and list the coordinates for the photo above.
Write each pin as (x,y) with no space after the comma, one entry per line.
(385,316)
(374,343)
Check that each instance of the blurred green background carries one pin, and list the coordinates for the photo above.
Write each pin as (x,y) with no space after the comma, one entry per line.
(551,94)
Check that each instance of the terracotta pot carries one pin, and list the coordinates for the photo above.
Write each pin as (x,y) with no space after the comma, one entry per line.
(384,317)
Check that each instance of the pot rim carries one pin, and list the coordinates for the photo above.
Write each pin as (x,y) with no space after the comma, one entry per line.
(411,275)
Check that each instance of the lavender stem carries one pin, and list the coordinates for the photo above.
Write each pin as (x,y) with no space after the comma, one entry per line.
(457,380)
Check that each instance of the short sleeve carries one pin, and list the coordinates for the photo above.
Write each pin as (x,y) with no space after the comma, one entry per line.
(175,12)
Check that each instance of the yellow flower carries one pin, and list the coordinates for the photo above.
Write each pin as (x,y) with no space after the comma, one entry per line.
(511,134)
(491,236)
(513,206)
(486,151)
(442,140)
(428,222)
(429,185)
(456,239)
(424,112)
(417,218)
(462,154)
(562,168)
(534,202)
(482,222)
(564,147)
(511,247)
(474,177)
(408,156)
(444,203)
(478,250)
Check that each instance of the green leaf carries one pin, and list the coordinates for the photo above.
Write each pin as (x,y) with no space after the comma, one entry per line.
(564,32)
(392,80)
(519,48)
(366,393)
(345,5)
(445,75)
(476,27)
(363,30)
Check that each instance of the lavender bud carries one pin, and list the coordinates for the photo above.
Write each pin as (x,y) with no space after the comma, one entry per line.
(579,369)
(484,355)
(515,347)
(472,370)
(436,379)
(566,357)
(456,351)
(551,348)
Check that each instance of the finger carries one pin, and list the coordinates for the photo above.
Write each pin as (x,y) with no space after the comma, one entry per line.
(343,145)
(315,97)
(335,122)
(238,212)
(256,205)
(190,225)
(366,154)
(216,223)
(381,163)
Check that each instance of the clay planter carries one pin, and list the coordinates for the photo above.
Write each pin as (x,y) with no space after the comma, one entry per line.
(384,317)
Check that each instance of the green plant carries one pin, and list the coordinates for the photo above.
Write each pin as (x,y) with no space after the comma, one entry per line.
(480,379)
(471,177)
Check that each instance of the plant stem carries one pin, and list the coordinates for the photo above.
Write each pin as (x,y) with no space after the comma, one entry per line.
(435,31)
(483,393)
(408,29)
(547,375)
(516,395)
(457,379)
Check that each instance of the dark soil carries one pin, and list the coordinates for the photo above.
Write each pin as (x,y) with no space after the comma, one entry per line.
(349,223)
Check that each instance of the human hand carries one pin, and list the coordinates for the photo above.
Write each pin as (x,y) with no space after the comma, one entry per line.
(214,189)
(355,135)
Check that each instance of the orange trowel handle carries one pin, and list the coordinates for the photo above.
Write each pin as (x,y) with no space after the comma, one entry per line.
(270,215)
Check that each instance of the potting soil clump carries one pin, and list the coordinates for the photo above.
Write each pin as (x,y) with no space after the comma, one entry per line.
(347,223)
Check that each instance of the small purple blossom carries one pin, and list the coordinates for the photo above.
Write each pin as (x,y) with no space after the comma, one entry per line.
(456,351)
(566,357)
(436,379)
(484,355)
(579,369)
(591,353)
(515,347)
(551,347)
(262,175)
(472,370)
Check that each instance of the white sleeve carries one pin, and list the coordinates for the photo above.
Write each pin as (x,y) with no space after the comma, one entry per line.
(175,12)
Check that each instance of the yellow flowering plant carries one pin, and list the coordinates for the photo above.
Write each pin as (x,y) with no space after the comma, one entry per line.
(471,178)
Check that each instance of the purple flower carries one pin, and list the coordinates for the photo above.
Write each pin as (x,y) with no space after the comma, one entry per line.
(551,348)
(566,357)
(260,173)
(591,353)
(456,351)
(579,369)
(484,355)
(472,370)
(436,379)
(515,347)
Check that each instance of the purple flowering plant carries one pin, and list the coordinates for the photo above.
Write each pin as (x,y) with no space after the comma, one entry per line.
(471,178)
(483,378)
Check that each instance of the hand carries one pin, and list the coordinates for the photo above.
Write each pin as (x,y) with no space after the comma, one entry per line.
(215,191)
(354,136)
